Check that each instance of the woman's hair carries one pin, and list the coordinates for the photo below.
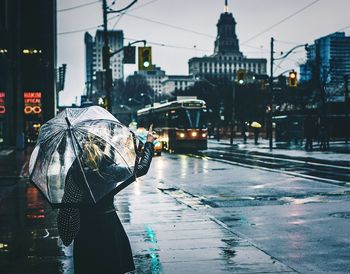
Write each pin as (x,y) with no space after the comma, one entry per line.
(92,154)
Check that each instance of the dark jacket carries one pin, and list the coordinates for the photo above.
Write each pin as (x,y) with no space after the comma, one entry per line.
(100,242)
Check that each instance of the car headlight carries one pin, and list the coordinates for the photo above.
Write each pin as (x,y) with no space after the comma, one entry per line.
(182,135)
(194,134)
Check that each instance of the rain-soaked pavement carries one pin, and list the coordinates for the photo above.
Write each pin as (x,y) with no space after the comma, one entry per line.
(194,215)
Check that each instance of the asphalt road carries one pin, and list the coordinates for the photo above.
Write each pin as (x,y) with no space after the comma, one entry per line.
(286,210)
(295,211)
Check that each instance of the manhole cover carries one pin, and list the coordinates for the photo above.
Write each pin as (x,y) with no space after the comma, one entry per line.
(345,215)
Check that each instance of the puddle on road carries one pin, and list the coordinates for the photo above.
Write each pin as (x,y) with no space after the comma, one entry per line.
(345,215)
(186,198)
(302,201)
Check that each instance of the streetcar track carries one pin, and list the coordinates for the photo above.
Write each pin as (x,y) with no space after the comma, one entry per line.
(279,170)
(339,176)
(283,159)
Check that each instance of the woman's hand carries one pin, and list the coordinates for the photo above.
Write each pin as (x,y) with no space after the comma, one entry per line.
(151,135)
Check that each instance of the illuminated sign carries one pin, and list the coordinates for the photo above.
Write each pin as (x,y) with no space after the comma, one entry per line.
(2,103)
(32,102)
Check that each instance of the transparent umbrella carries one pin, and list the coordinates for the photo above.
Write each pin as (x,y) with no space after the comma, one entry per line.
(60,148)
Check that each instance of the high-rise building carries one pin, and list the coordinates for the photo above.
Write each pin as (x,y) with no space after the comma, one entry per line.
(334,59)
(94,56)
(227,58)
(28,69)
(154,79)
(89,64)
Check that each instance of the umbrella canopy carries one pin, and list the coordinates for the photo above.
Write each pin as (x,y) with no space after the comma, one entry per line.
(63,145)
(255,125)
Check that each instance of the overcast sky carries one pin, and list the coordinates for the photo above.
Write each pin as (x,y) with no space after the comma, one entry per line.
(187,28)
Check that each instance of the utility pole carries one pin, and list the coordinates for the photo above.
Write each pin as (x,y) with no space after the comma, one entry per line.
(346,95)
(105,58)
(233,109)
(271,93)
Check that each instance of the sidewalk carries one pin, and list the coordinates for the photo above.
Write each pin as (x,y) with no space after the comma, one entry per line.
(166,236)
(169,237)
(339,151)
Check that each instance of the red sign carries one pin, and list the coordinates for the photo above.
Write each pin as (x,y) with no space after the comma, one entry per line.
(32,102)
(2,103)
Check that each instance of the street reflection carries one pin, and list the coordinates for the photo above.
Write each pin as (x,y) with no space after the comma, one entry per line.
(183,166)
(153,251)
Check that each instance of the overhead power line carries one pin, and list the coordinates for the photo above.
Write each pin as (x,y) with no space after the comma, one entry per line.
(78,6)
(155,22)
(281,21)
(78,30)
(169,25)
(119,16)
(169,46)
(95,27)
(344,28)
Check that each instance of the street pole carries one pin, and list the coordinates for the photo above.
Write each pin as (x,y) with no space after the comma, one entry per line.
(233,112)
(271,93)
(346,99)
(105,58)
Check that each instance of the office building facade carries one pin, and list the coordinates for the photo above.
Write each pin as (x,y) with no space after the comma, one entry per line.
(334,59)
(94,56)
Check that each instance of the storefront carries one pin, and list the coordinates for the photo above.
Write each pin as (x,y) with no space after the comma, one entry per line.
(32,115)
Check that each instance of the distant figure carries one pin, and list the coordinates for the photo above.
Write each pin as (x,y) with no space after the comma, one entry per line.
(245,132)
(309,130)
(256,135)
(324,137)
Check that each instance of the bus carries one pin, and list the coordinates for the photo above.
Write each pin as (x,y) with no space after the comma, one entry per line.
(181,124)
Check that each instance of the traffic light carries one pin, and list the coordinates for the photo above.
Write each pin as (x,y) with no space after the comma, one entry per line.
(145,58)
(292,79)
(240,76)
(129,55)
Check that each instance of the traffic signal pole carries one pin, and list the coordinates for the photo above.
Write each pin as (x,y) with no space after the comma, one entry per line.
(106,51)
(272,59)
(346,100)
(105,58)
(271,93)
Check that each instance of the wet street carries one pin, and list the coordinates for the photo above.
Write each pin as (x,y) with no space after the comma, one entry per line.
(225,210)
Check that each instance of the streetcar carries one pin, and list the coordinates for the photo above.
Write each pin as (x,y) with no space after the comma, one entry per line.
(181,124)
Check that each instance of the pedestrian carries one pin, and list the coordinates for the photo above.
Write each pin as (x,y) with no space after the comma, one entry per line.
(256,135)
(309,131)
(245,132)
(100,242)
(324,137)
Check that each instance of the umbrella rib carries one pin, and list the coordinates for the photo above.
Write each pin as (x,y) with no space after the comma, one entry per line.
(86,131)
(80,165)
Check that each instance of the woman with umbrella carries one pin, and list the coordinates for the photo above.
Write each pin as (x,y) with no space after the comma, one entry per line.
(83,157)
(100,242)
(256,127)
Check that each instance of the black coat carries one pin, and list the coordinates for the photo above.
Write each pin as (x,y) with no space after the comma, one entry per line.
(100,242)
